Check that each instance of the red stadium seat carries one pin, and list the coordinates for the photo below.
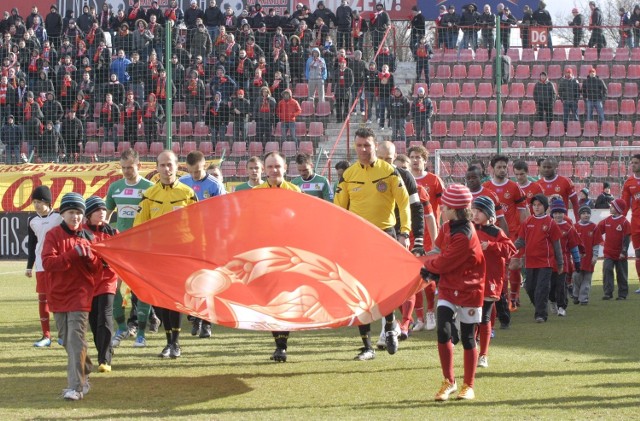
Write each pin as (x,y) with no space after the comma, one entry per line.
(544,55)
(468,90)
(627,107)
(459,71)
(467,145)
(123,146)
(466,56)
(528,107)
(536,69)
(582,169)
(289,149)
(401,147)
(187,148)
(143,149)
(559,55)
(306,146)
(635,55)
(569,144)
(535,144)
(633,71)
(185,131)
(179,109)
(600,169)
(436,90)
(618,72)
(607,148)
(485,90)
(514,54)
(606,54)
(482,55)
(301,91)
(508,128)
(575,54)
(329,95)
(608,129)
(511,107)
(316,130)
(222,149)
(590,54)
(452,90)
(523,129)
(241,169)
(630,90)
(206,148)
(271,147)
(590,129)
(603,71)
(565,168)
(450,144)
(301,129)
(473,129)
(554,144)
(523,72)
(445,108)
(488,72)
(308,109)
(228,169)
(617,169)
(611,107)
(443,71)
(107,150)
(492,109)
(556,129)
(432,146)
(475,71)
(256,149)
(614,90)
(621,143)
(439,129)
(622,54)
(323,109)
(557,108)
(528,55)
(456,129)
(479,107)
(459,169)
(573,129)
(518,144)
(517,90)
(462,108)
(625,129)
(489,129)
(445,169)
(539,129)
(201,131)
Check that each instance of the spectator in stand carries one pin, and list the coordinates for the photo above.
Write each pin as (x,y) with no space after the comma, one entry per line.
(53,25)
(542,17)
(213,19)
(152,116)
(119,66)
(240,110)
(468,23)
(328,52)
(359,69)
(195,95)
(141,39)
(11,135)
(603,201)
(421,112)
(117,22)
(422,53)
(229,19)
(223,83)
(626,36)
(157,32)
(359,26)
(109,117)
(583,199)
(217,117)
(450,21)
(343,20)
(342,82)
(635,24)
(116,89)
(370,89)
(49,144)
(32,120)
(73,32)
(134,13)
(386,57)
(264,107)
(441,31)
(53,111)
(594,92)
(201,42)
(85,20)
(132,115)
(174,13)
(288,110)
(82,109)
(192,14)
(67,91)
(597,32)
(399,107)
(72,133)
(380,21)
(154,11)
(507,21)
(161,86)
(544,95)
(316,74)
(385,84)
(105,17)
(578,27)
(569,93)
(487,22)
(7,97)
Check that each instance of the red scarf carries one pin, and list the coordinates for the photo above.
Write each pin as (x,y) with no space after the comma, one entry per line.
(106,109)
(130,108)
(96,56)
(104,19)
(45,53)
(228,21)
(356,27)
(294,48)
(200,69)
(420,105)
(153,67)
(422,51)
(134,13)
(384,77)
(301,35)
(3,94)
(161,88)
(40,101)
(341,78)
(240,68)
(263,68)
(250,51)
(171,14)
(78,105)
(275,85)
(27,111)
(91,36)
(257,81)
(66,84)
(193,87)
(220,40)
(264,107)
(230,49)
(151,110)
(33,65)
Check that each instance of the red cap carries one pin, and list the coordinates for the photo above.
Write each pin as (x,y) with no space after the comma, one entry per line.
(620,206)
(240,92)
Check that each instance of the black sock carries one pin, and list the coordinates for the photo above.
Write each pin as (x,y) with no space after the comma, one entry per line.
(175,335)
(388,322)
(281,339)
(365,335)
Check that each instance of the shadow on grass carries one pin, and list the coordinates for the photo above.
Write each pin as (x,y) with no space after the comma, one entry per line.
(172,391)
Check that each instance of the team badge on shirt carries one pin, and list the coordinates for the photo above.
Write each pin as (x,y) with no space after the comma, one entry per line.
(507,195)
(545,228)
(206,194)
(381,186)
(557,189)
(471,312)
(619,228)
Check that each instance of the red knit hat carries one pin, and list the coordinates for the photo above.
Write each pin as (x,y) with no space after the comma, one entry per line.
(457,196)
(620,205)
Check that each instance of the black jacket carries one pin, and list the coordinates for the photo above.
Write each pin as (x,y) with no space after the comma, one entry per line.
(569,89)
(594,89)
(53,24)
(71,131)
(544,93)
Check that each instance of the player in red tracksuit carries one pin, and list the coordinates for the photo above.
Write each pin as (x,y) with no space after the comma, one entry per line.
(571,250)
(71,264)
(540,237)
(497,249)
(587,231)
(616,231)
(631,196)
(104,292)
(460,267)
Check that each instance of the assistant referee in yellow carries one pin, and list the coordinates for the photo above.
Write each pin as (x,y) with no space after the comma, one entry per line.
(371,188)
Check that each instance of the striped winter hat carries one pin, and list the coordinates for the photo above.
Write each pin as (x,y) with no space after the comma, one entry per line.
(457,196)
(620,205)
(93,204)
(486,205)
(72,201)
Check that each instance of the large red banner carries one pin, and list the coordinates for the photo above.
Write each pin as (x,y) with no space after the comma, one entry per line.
(265,260)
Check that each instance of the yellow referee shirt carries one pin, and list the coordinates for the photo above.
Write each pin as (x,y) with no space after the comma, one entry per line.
(285,185)
(372,192)
(160,199)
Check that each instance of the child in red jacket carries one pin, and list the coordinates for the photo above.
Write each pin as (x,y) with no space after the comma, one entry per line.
(587,231)
(460,267)
(71,264)
(101,315)
(497,249)
(617,232)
